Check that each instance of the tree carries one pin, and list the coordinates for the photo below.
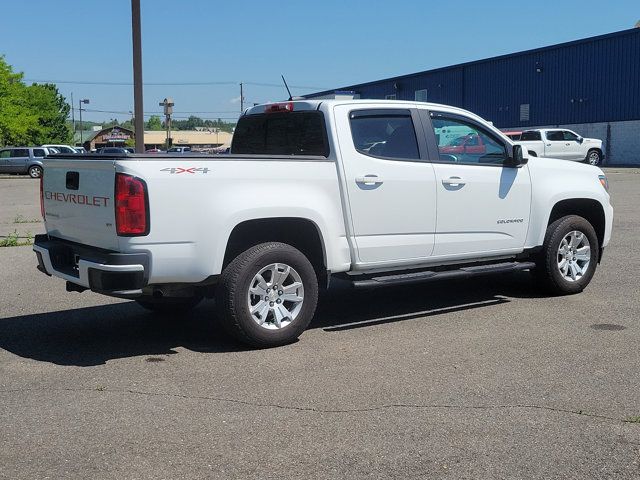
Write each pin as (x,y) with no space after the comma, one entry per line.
(130,124)
(154,123)
(30,115)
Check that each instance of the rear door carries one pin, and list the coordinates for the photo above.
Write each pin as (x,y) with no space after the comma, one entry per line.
(483,206)
(389,184)
(78,201)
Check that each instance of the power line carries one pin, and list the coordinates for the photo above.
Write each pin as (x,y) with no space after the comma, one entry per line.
(171,84)
(150,114)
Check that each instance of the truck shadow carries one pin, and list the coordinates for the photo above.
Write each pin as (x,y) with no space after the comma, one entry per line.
(93,335)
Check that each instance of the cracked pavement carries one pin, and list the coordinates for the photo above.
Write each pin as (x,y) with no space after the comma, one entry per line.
(460,380)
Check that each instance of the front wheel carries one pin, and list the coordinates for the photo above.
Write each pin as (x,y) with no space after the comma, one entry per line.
(267,295)
(593,158)
(35,171)
(569,256)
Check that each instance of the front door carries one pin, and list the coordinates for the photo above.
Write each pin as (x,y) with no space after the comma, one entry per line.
(18,160)
(4,160)
(483,206)
(389,184)
(574,148)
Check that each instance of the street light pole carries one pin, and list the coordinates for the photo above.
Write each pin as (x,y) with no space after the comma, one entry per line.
(80,102)
(137,75)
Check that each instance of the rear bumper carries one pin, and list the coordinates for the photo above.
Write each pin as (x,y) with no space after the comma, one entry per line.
(103,271)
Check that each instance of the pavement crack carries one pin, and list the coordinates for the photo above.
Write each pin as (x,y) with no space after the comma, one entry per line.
(386,406)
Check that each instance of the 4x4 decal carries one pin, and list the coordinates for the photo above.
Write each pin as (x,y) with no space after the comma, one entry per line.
(192,170)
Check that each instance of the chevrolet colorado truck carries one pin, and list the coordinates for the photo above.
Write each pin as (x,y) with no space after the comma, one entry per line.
(364,190)
(562,144)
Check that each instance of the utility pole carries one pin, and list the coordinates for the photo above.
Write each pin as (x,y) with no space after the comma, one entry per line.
(73,119)
(167,105)
(136,31)
(241,99)
(80,102)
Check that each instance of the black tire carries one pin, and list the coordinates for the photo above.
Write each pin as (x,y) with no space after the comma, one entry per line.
(35,171)
(594,157)
(169,306)
(547,271)
(232,293)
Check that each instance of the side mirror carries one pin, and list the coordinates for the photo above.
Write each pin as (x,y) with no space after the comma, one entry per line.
(517,157)
(579,139)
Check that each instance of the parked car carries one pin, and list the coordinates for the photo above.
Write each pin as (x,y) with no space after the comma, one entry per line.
(467,144)
(80,149)
(300,202)
(130,149)
(512,134)
(153,150)
(23,160)
(62,148)
(112,150)
(562,144)
(179,150)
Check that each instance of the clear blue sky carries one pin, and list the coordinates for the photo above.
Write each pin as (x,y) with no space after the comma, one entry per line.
(325,44)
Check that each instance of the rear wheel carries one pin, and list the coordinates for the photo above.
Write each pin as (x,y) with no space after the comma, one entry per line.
(569,256)
(267,295)
(593,157)
(35,171)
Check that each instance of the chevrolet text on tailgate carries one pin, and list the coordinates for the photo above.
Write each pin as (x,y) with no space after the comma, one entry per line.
(376,192)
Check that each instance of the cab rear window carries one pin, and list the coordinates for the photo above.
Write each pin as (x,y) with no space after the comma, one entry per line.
(286,133)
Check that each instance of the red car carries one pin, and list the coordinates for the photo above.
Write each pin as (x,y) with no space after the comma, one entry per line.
(512,134)
(470,144)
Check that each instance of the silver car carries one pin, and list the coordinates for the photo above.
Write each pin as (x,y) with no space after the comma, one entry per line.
(23,160)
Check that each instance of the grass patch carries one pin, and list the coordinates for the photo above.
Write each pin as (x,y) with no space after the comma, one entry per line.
(635,419)
(15,240)
(21,219)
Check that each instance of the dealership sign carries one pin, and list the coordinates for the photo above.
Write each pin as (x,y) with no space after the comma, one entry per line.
(116,135)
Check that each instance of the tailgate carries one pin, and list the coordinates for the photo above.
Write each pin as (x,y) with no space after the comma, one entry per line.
(78,201)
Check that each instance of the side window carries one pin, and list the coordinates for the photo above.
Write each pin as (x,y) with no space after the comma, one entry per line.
(38,152)
(555,136)
(5,153)
(384,134)
(19,152)
(530,135)
(465,142)
(570,136)
(421,95)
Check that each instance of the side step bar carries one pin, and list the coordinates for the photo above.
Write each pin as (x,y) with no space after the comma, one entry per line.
(427,276)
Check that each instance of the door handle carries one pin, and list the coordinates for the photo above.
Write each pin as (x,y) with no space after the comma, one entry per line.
(369,179)
(548,144)
(453,181)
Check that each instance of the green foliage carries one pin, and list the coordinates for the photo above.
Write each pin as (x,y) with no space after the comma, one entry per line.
(192,122)
(154,123)
(30,115)
(13,240)
(21,219)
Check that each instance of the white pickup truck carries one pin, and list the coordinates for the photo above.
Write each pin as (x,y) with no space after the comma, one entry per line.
(369,191)
(562,144)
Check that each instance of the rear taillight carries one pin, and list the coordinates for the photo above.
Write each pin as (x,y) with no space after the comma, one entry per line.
(132,212)
(279,107)
(42,195)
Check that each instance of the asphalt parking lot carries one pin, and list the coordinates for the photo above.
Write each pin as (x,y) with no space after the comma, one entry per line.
(461,380)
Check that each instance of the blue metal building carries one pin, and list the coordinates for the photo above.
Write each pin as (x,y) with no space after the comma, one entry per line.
(587,81)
